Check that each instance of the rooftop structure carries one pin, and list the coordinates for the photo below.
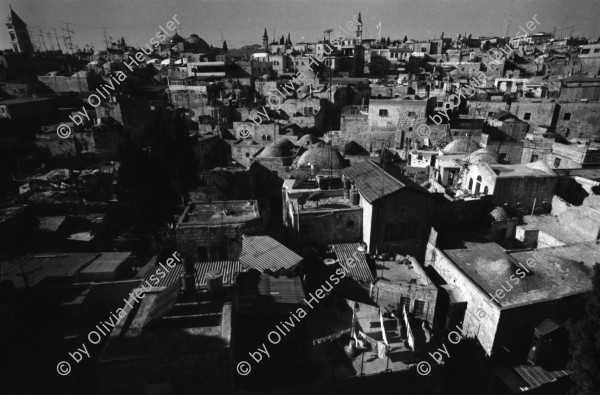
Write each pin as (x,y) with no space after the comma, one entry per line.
(375,183)
(266,254)
(219,213)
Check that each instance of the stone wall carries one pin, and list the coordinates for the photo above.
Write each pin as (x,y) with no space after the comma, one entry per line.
(583,122)
(401,114)
(525,190)
(539,113)
(482,314)
(340,226)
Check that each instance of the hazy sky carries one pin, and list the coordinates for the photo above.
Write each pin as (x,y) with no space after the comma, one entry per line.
(243,21)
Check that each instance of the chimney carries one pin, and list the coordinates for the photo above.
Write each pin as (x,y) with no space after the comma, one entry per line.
(187,278)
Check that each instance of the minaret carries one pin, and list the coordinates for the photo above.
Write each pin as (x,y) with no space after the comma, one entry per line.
(359,29)
(265,40)
(19,35)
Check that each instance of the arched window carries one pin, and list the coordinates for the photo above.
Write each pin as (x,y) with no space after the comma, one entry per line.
(268,138)
(470,184)
(485,190)
(477,185)
(264,138)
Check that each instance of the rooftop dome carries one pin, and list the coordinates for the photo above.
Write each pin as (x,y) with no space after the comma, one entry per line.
(322,158)
(460,146)
(175,39)
(308,139)
(483,155)
(197,42)
(499,214)
(280,149)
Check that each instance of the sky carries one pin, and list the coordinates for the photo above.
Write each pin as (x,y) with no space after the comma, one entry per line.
(242,22)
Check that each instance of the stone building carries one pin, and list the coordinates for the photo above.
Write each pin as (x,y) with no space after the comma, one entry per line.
(522,186)
(319,210)
(264,133)
(399,114)
(535,111)
(573,155)
(396,211)
(579,120)
(405,284)
(485,108)
(577,88)
(213,231)
(210,151)
(500,296)
(19,34)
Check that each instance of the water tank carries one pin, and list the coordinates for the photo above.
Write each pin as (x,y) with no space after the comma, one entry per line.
(214,281)
(354,199)
(347,183)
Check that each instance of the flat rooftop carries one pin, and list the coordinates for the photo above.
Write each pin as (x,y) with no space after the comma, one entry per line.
(590,174)
(552,275)
(522,170)
(219,212)
(550,225)
(408,270)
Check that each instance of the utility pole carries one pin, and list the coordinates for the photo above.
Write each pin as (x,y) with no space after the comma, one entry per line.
(68,37)
(106,41)
(49,35)
(41,36)
(56,38)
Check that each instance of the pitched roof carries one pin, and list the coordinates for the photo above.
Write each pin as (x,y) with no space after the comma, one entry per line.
(373,182)
(264,253)
(360,270)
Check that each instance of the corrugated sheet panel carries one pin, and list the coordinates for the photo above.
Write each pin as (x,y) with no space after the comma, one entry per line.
(371,181)
(536,376)
(170,277)
(107,262)
(37,267)
(230,269)
(264,253)
(361,270)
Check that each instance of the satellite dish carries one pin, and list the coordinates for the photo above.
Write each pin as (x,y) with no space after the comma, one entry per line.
(302,199)
(315,197)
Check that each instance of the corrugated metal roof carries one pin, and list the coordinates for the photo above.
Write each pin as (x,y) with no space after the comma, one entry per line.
(372,181)
(107,262)
(171,276)
(536,376)
(264,253)
(230,269)
(38,267)
(260,292)
(361,270)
